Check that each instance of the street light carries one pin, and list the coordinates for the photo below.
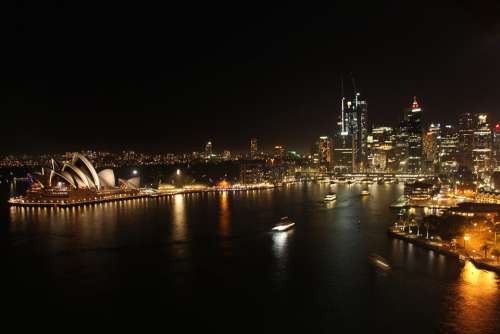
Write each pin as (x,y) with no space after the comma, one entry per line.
(466,238)
(178,172)
(135,172)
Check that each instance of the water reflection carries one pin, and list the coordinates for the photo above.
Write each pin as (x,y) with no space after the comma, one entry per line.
(179,218)
(474,302)
(225,215)
(280,250)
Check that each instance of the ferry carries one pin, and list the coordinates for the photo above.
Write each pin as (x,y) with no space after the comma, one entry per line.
(330,197)
(379,262)
(283,225)
(365,192)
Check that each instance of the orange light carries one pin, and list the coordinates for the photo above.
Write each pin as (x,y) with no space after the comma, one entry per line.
(223,184)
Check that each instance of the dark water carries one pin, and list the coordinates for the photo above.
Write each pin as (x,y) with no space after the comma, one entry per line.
(209,261)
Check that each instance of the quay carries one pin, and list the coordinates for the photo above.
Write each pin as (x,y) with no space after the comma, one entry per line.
(22,201)
(444,249)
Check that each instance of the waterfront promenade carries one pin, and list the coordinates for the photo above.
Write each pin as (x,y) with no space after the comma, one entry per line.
(445,248)
(23,201)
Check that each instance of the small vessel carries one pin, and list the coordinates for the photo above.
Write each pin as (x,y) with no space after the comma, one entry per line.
(365,192)
(283,225)
(379,262)
(330,197)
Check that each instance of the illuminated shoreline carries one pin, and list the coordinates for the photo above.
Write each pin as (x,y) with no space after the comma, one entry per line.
(22,201)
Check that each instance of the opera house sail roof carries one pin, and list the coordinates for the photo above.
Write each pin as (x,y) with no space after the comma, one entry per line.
(77,182)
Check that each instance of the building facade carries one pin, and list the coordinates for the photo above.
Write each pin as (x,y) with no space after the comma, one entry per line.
(412,130)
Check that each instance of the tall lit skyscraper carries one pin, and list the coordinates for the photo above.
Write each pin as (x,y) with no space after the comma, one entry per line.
(412,126)
(352,134)
(253,148)
(380,147)
(482,146)
(208,150)
(325,150)
(496,146)
(448,150)
(466,127)
(430,143)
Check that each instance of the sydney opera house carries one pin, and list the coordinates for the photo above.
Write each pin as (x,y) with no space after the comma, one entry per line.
(76,182)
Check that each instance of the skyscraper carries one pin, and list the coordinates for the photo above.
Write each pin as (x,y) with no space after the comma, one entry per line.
(253,148)
(466,127)
(352,133)
(325,150)
(482,146)
(496,146)
(412,126)
(380,148)
(208,150)
(430,141)
(279,152)
(448,150)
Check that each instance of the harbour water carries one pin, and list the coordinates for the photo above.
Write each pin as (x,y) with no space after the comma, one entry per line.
(211,259)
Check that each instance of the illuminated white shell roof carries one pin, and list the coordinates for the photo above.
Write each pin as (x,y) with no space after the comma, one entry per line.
(107,178)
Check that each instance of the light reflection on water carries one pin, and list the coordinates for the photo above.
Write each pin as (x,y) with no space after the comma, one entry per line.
(179,218)
(473,302)
(326,252)
(225,215)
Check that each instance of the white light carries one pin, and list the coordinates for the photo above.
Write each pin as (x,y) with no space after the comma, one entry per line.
(178,172)
(135,172)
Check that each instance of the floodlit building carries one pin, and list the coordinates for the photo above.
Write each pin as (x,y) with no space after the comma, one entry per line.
(208,150)
(325,151)
(448,150)
(466,128)
(76,182)
(482,146)
(412,129)
(496,146)
(351,134)
(253,148)
(380,148)
(430,142)
(279,152)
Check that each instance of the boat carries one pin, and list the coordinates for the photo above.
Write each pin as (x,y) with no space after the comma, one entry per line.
(379,262)
(330,197)
(283,225)
(365,192)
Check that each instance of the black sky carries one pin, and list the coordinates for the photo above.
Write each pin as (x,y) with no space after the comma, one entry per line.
(166,79)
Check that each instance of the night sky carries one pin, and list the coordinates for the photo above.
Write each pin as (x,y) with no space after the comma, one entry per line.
(167,79)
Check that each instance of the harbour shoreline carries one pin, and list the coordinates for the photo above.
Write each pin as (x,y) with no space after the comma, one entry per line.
(440,249)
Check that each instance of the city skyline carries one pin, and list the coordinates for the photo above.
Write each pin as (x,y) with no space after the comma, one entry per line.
(262,80)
